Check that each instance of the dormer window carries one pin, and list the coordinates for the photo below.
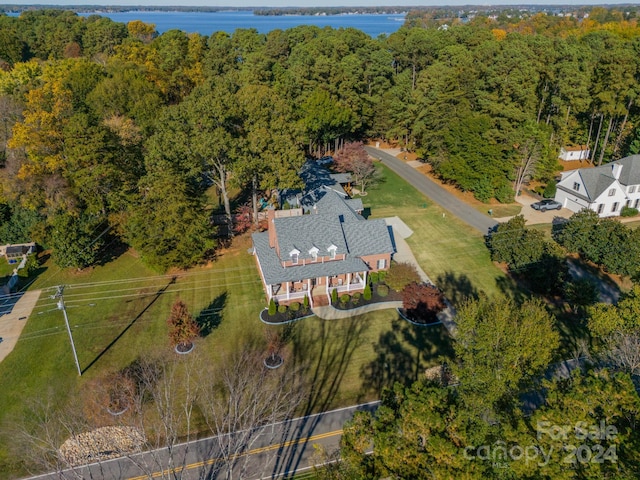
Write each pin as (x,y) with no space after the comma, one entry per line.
(314,254)
(295,255)
(332,252)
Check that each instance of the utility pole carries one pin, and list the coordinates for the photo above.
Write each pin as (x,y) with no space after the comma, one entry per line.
(61,306)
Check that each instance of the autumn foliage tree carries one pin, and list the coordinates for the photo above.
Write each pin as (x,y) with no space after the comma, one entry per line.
(422,302)
(354,158)
(182,327)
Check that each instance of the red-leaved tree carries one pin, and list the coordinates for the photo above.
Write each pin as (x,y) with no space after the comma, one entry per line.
(354,158)
(422,302)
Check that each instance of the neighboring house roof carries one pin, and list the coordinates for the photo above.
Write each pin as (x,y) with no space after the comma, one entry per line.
(630,174)
(355,204)
(274,272)
(16,250)
(598,180)
(341,177)
(333,203)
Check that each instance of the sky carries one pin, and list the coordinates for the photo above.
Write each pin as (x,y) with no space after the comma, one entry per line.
(308,3)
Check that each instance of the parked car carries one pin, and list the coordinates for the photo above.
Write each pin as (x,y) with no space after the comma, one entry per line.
(546,204)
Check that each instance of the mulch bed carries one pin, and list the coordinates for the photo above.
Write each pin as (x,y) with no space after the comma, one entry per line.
(392,296)
(286,317)
(428,319)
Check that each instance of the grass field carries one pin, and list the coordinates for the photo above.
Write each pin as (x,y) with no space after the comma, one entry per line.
(118,313)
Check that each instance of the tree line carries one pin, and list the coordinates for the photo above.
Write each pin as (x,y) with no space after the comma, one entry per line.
(111,131)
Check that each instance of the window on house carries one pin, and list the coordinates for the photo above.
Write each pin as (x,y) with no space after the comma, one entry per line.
(332,252)
(576,186)
(382,263)
(612,192)
(601,208)
(628,204)
(637,204)
(632,188)
(294,258)
(614,207)
(314,254)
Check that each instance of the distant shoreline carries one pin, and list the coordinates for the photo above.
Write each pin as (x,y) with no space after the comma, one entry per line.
(271,11)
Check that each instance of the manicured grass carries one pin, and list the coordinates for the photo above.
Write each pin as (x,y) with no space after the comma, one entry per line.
(118,313)
(499,211)
(449,251)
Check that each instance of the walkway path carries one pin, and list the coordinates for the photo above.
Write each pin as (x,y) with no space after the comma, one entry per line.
(435,192)
(13,317)
(331,313)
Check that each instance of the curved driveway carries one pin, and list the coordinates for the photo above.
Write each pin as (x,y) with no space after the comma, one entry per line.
(435,192)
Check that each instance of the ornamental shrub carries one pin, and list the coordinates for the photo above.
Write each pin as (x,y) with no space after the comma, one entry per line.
(282,309)
(400,275)
(272,307)
(355,298)
(550,189)
(294,307)
(628,212)
(382,274)
(382,290)
(367,292)
(334,296)
(374,277)
(305,303)
(344,298)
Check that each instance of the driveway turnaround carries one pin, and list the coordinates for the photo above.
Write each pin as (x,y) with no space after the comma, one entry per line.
(435,192)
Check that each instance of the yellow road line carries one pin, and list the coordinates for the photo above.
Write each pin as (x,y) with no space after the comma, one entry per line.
(211,461)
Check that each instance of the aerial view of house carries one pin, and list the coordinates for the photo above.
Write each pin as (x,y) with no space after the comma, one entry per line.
(330,247)
(605,189)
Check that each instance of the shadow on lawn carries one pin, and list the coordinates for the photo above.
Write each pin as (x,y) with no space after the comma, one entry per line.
(402,355)
(456,287)
(323,354)
(210,317)
(156,296)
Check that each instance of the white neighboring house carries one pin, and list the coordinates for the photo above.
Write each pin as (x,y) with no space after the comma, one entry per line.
(605,189)
(570,154)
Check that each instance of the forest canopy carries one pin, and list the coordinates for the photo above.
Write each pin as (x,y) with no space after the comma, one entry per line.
(127,133)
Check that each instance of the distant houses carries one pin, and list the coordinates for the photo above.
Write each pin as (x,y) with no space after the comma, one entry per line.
(605,189)
(16,253)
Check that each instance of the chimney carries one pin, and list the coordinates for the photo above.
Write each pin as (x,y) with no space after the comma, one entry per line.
(271,215)
(616,170)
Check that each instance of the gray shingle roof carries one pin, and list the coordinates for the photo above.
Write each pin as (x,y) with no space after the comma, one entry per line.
(334,204)
(354,204)
(307,231)
(368,237)
(596,180)
(630,170)
(274,272)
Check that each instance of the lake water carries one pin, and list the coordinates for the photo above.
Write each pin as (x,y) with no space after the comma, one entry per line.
(206,23)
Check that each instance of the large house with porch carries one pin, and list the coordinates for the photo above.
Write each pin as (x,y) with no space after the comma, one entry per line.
(605,189)
(330,247)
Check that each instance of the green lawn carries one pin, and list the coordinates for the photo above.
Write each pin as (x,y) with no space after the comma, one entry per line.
(450,252)
(118,313)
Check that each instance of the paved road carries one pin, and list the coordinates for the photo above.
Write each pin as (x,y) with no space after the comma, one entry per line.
(278,450)
(435,192)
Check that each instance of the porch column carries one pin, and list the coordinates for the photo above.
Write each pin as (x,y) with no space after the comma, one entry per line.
(348,281)
(287,290)
(269,291)
(364,280)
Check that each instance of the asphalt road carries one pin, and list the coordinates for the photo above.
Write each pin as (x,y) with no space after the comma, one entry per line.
(275,451)
(435,192)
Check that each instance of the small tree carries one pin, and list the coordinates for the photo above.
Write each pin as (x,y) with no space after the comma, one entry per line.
(367,292)
(272,307)
(243,219)
(355,159)
(422,302)
(334,296)
(274,346)
(182,327)
(305,303)
(400,275)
